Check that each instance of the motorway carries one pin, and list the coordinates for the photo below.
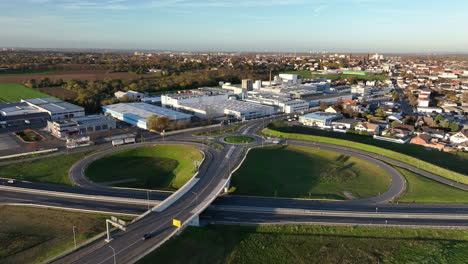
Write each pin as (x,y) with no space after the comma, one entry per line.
(213,175)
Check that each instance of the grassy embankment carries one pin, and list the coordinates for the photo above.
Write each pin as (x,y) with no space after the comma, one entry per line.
(423,190)
(46,170)
(311,75)
(377,150)
(12,92)
(313,244)
(302,172)
(165,167)
(33,235)
(239,139)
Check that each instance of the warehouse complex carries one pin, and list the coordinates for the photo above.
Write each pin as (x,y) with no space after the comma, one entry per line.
(137,113)
(17,114)
(55,108)
(230,108)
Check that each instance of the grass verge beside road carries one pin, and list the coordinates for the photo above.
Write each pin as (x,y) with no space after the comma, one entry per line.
(47,170)
(164,167)
(12,92)
(33,235)
(312,244)
(302,172)
(423,190)
(373,149)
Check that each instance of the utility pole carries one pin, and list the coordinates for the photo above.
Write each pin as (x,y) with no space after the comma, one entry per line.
(74,236)
(113,250)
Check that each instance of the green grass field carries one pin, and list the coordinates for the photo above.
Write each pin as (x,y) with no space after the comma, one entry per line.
(456,162)
(423,190)
(301,172)
(27,73)
(312,244)
(239,139)
(47,170)
(165,167)
(33,235)
(407,158)
(15,92)
(310,75)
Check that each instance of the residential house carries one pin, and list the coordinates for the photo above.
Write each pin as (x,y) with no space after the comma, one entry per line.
(367,127)
(434,132)
(399,131)
(332,109)
(344,124)
(463,146)
(460,137)
(427,141)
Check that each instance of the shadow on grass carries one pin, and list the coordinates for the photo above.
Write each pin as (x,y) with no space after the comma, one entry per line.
(149,172)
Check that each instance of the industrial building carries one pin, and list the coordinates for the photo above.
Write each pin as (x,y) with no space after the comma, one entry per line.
(80,126)
(319,119)
(137,113)
(230,108)
(130,94)
(281,103)
(57,110)
(17,114)
(202,95)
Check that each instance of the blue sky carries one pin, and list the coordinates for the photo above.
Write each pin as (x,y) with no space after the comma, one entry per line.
(238,25)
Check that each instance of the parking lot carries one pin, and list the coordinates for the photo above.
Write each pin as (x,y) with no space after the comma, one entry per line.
(8,142)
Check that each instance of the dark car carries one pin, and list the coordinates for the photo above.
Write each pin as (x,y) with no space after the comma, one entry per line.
(146,236)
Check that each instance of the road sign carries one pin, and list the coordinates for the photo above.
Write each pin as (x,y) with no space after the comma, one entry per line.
(176,223)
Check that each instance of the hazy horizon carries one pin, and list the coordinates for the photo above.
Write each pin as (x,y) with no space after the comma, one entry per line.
(354,26)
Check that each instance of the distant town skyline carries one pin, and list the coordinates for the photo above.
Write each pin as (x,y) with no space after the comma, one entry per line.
(382,26)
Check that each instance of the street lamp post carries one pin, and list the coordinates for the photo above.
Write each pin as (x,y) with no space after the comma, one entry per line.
(113,250)
(74,236)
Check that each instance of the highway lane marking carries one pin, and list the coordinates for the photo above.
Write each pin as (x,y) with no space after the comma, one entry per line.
(287,211)
(228,154)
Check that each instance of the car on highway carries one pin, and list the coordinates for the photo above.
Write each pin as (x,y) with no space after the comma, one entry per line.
(146,236)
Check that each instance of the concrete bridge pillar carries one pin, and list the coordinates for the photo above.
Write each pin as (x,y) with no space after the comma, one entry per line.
(195,221)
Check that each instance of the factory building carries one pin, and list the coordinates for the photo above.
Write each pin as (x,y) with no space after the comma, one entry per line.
(137,113)
(80,126)
(230,108)
(18,114)
(57,110)
(202,95)
(130,94)
(281,103)
(247,85)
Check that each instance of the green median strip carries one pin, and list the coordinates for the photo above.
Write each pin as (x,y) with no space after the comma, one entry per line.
(458,177)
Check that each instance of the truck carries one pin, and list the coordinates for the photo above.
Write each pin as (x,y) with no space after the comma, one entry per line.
(117,142)
(129,140)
